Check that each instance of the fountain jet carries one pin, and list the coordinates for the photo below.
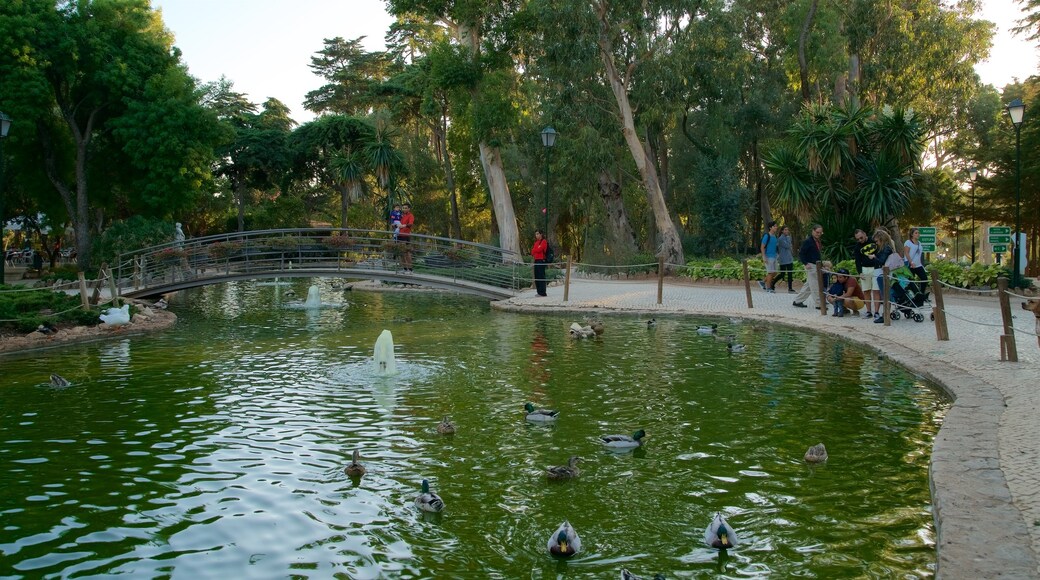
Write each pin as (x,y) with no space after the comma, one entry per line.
(383,355)
(313,298)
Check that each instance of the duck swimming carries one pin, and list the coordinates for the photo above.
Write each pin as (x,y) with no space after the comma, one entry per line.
(428,501)
(564,542)
(59,381)
(651,323)
(707,329)
(816,454)
(446,427)
(719,535)
(561,472)
(355,469)
(626,575)
(624,441)
(734,347)
(540,415)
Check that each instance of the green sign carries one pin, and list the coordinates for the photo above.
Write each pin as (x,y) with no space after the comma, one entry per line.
(927,239)
(999,249)
(927,247)
(999,239)
(999,231)
(926,231)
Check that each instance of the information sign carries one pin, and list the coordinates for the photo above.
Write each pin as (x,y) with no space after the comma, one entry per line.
(927,238)
(999,249)
(999,230)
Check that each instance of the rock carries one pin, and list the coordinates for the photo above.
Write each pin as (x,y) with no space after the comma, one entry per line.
(36,335)
(77,331)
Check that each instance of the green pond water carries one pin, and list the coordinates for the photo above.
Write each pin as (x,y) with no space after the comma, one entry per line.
(216,449)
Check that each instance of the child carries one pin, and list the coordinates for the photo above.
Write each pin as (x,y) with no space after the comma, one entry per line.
(395,219)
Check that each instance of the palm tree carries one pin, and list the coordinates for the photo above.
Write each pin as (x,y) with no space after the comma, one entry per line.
(349,168)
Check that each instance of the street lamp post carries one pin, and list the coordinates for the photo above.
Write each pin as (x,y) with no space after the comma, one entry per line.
(957,238)
(973,173)
(5,126)
(1017,110)
(548,140)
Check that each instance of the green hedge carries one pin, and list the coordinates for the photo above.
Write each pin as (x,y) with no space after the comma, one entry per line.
(24,311)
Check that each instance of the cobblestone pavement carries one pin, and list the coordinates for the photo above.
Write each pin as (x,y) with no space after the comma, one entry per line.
(985,464)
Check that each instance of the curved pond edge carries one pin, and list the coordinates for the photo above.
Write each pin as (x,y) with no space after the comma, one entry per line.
(147,321)
(980,533)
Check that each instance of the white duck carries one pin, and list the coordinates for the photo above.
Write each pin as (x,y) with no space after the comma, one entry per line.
(719,534)
(428,501)
(540,415)
(116,316)
(564,542)
(624,442)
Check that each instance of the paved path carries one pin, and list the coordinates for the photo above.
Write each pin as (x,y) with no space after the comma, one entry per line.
(985,465)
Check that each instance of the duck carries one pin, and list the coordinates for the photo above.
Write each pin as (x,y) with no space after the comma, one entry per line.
(626,575)
(816,454)
(735,347)
(290,293)
(579,331)
(624,441)
(540,415)
(46,328)
(428,501)
(596,326)
(708,329)
(446,427)
(651,323)
(719,534)
(59,381)
(564,542)
(161,304)
(355,469)
(561,472)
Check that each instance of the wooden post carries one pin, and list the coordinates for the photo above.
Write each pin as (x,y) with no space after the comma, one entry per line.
(1009,326)
(821,291)
(137,272)
(83,290)
(660,279)
(747,284)
(113,288)
(567,279)
(942,332)
(886,286)
(96,295)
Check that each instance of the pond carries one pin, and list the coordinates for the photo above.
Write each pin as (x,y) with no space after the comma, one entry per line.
(218,448)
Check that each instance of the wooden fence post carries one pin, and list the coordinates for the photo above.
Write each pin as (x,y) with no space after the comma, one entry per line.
(886,289)
(942,332)
(83,290)
(137,272)
(747,284)
(1009,326)
(821,295)
(567,279)
(660,279)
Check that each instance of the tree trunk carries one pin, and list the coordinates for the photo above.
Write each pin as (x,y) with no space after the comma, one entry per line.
(440,130)
(240,199)
(78,208)
(670,244)
(468,35)
(622,238)
(344,204)
(803,62)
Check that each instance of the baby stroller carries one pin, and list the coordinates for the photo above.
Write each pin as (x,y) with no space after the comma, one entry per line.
(907,296)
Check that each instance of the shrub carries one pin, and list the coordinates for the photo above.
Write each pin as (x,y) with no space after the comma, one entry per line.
(25,311)
(338,242)
(220,250)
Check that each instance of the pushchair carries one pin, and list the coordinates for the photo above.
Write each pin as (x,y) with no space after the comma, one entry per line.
(907,296)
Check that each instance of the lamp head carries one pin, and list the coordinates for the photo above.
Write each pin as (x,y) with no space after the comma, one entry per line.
(5,125)
(973,173)
(549,136)
(1016,110)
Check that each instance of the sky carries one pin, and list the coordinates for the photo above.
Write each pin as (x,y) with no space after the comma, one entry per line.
(265,46)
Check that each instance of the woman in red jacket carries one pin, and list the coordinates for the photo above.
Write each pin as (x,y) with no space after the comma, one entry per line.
(538,251)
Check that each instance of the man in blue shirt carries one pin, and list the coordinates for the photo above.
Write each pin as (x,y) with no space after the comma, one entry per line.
(768,249)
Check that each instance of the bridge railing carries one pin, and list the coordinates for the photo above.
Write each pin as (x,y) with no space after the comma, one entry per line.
(326,249)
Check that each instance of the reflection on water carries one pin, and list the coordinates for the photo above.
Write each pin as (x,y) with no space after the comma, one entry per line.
(218,448)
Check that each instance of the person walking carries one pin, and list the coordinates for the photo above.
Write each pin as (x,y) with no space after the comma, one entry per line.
(404,236)
(809,253)
(785,259)
(538,251)
(768,249)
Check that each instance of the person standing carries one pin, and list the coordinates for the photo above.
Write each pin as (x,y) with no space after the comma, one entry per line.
(809,253)
(538,251)
(865,269)
(886,255)
(404,236)
(785,258)
(913,253)
(768,249)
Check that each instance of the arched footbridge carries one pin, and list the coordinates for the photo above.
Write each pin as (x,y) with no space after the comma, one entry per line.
(458,265)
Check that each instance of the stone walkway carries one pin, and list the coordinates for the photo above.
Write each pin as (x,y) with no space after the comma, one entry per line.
(985,464)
